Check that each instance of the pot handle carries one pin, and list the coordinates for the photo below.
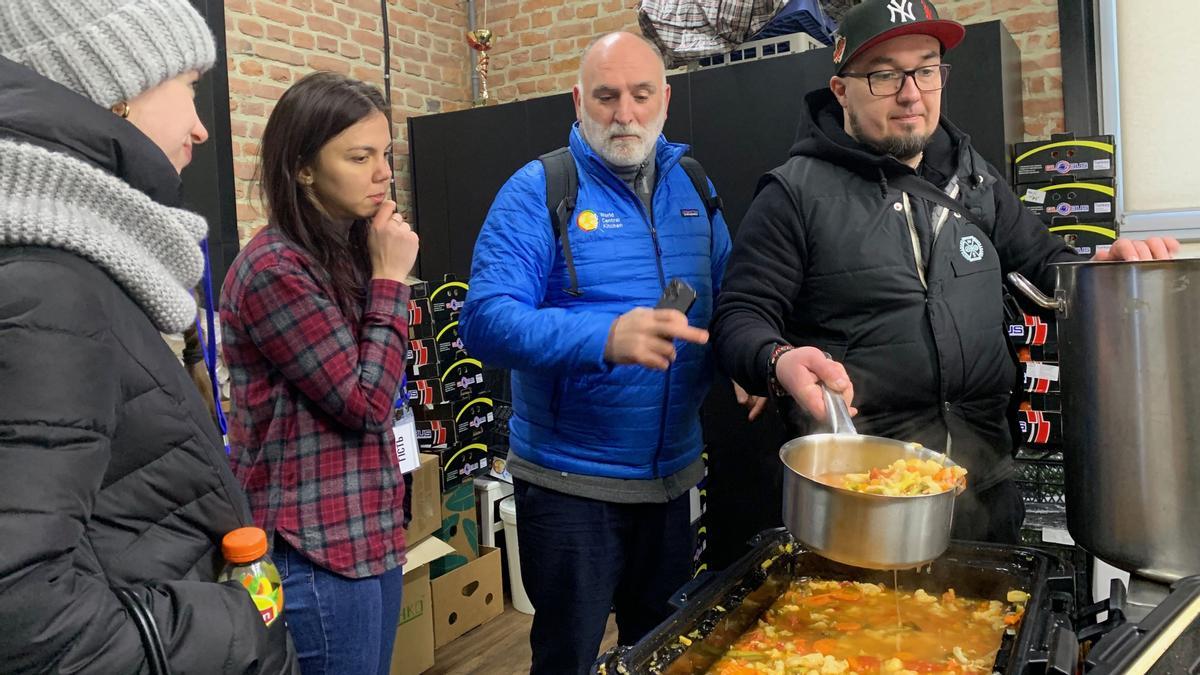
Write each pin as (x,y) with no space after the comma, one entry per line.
(1030,291)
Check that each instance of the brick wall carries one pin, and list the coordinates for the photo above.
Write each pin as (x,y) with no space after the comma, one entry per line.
(272,43)
(538,42)
(1034,25)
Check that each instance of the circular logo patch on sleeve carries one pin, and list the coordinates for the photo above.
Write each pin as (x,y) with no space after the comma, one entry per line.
(970,248)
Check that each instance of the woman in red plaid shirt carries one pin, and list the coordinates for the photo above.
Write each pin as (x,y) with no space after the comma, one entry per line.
(314,314)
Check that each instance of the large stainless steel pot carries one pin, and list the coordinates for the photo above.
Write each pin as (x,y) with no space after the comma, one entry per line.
(853,528)
(1129,335)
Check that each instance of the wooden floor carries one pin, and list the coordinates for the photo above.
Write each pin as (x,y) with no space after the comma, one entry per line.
(498,647)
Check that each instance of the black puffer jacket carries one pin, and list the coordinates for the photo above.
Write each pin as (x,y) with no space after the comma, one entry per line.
(111,471)
(825,257)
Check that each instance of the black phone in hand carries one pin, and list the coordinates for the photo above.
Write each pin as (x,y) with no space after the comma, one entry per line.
(677,295)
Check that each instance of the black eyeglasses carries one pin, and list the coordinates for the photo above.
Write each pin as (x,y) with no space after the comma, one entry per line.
(890,82)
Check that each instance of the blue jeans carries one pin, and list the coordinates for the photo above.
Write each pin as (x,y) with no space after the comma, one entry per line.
(581,558)
(341,626)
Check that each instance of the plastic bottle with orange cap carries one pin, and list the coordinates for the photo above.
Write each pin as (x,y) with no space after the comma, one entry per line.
(248,564)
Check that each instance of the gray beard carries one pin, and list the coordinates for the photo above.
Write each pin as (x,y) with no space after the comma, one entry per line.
(902,148)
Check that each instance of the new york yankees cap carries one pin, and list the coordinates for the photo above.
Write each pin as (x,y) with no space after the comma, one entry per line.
(874,21)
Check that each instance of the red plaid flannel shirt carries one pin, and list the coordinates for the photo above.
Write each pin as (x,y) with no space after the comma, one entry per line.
(313,395)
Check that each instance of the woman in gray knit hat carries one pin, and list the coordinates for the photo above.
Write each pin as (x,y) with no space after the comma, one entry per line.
(115,490)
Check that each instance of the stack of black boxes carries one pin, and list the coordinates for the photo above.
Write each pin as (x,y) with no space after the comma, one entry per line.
(1070,183)
(446,387)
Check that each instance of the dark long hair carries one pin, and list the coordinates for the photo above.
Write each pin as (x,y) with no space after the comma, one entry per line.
(309,114)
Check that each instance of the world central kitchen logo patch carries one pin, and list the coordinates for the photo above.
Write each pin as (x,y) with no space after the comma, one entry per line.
(587,220)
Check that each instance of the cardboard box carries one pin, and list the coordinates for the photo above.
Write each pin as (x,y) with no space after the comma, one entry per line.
(461,380)
(418,290)
(420,319)
(435,435)
(1034,331)
(449,345)
(467,597)
(421,359)
(1040,429)
(1084,158)
(425,391)
(462,463)
(447,299)
(1087,239)
(413,650)
(460,529)
(426,499)
(1041,378)
(466,420)
(1094,201)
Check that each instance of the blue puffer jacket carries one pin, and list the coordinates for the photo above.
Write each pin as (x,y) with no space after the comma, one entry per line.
(573,411)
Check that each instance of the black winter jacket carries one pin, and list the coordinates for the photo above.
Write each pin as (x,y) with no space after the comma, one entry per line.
(111,471)
(826,257)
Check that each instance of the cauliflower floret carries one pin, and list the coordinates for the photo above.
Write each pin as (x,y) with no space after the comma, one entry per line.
(868,589)
(924,598)
(832,666)
(813,660)
(893,665)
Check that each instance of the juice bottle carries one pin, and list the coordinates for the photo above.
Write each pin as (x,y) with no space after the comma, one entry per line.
(247,562)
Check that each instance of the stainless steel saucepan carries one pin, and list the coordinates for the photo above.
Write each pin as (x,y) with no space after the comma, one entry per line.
(854,528)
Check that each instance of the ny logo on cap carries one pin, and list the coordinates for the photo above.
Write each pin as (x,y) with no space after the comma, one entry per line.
(901,11)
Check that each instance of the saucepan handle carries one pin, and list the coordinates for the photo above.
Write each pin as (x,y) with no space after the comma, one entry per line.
(837,410)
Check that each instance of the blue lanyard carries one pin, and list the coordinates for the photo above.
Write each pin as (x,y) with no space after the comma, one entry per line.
(210,346)
(402,395)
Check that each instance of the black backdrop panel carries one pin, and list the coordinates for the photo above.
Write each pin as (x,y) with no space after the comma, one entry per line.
(984,94)
(740,121)
(208,180)
(745,121)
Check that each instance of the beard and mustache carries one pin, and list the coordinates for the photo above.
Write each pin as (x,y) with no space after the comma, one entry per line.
(902,147)
(623,152)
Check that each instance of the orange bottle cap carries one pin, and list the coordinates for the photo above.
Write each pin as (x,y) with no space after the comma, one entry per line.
(245,544)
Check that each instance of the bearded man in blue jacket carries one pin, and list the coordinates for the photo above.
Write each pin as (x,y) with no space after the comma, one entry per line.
(605,436)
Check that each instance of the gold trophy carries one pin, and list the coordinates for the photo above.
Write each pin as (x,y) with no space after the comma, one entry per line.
(480,40)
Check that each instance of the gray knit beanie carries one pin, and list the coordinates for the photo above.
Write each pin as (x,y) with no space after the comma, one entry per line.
(107,50)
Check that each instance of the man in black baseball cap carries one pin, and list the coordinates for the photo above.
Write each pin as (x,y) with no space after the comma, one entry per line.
(886,111)
(854,268)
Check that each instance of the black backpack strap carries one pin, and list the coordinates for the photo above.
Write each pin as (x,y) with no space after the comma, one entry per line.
(562,185)
(712,203)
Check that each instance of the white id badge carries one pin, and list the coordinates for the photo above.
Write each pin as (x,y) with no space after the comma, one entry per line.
(405,431)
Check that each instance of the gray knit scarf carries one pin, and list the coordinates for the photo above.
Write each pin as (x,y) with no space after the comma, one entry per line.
(54,200)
